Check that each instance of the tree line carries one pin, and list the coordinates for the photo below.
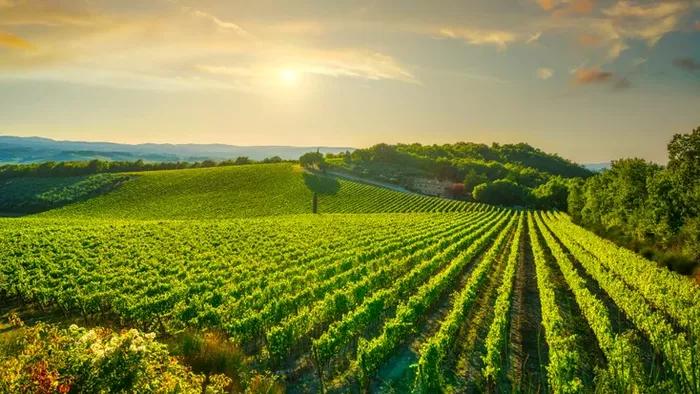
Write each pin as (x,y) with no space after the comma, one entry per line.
(79,168)
(507,175)
(651,208)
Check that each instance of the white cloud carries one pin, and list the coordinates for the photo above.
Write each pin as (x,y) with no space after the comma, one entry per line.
(648,22)
(221,24)
(340,63)
(499,38)
(544,73)
(534,38)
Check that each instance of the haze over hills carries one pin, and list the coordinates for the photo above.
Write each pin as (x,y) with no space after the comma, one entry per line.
(17,150)
(37,149)
(597,167)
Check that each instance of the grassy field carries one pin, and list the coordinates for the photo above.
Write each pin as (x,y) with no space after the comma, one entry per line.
(242,191)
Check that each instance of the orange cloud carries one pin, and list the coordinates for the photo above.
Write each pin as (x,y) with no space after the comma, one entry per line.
(583,6)
(648,22)
(566,8)
(547,5)
(697,25)
(8,40)
(584,76)
(589,40)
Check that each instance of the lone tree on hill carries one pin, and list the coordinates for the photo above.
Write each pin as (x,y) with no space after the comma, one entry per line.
(320,184)
(313,161)
(317,183)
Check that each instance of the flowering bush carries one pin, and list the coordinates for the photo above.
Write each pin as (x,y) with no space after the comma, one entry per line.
(46,359)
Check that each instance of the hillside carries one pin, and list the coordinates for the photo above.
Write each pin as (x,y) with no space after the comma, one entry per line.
(242,191)
(507,175)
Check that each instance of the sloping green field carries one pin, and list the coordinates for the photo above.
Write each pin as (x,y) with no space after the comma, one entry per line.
(243,191)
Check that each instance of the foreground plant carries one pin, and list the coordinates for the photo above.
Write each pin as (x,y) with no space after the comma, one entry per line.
(47,359)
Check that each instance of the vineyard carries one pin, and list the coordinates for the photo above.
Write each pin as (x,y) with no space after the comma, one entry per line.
(243,191)
(460,297)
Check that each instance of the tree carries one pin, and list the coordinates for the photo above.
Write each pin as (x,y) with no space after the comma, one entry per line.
(575,200)
(472,179)
(320,184)
(502,192)
(684,157)
(242,160)
(552,194)
(313,160)
(273,159)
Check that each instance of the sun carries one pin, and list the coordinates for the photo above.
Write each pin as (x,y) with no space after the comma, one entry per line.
(289,77)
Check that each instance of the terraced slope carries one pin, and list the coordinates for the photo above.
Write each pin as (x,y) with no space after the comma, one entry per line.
(244,191)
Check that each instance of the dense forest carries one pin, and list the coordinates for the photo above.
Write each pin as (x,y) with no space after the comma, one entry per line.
(511,174)
(650,208)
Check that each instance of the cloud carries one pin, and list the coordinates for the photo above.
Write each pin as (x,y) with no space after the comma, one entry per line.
(576,7)
(595,76)
(687,63)
(335,63)
(534,38)
(696,26)
(359,64)
(622,83)
(544,73)
(498,38)
(648,22)
(639,61)
(547,5)
(590,40)
(12,41)
(605,32)
(585,76)
(163,45)
(230,26)
(37,13)
(567,7)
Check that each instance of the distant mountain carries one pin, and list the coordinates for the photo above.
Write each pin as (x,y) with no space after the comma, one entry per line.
(36,149)
(597,167)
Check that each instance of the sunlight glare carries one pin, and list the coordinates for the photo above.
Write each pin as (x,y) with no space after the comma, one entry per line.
(289,77)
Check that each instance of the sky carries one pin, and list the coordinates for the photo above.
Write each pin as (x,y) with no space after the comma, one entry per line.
(589,80)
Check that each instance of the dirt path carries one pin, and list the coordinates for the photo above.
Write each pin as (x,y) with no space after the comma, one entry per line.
(652,361)
(589,350)
(472,336)
(529,351)
(396,375)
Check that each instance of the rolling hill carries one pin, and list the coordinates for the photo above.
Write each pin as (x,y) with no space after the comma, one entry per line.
(243,191)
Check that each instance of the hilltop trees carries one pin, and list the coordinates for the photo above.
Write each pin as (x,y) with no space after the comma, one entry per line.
(552,194)
(502,192)
(472,165)
(52,169)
